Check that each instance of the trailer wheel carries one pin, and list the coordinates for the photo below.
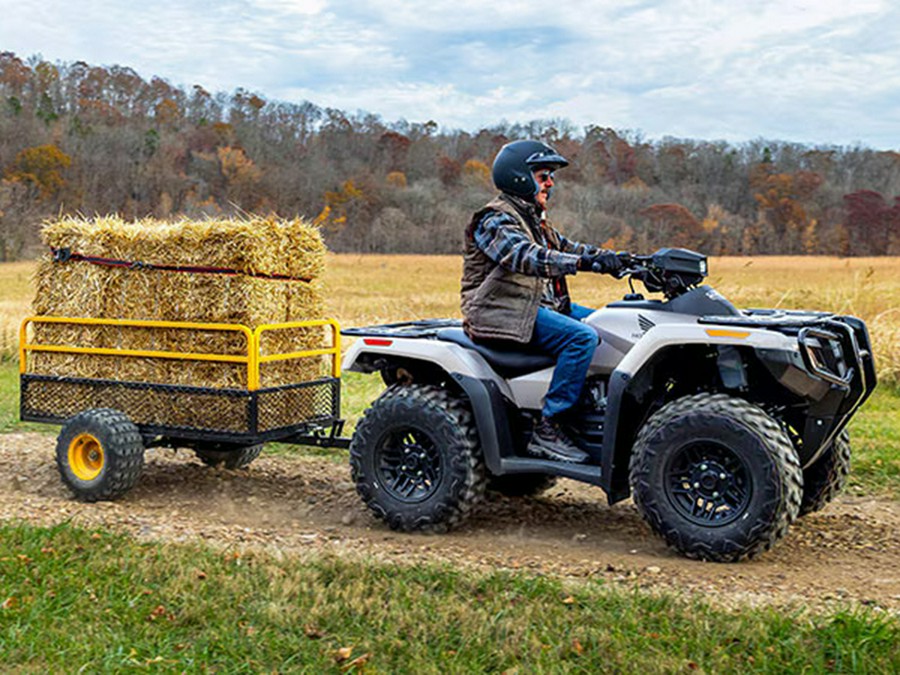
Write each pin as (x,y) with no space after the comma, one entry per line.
(826,478)
(99,454)
(716,477)
(415,459)
(231,457)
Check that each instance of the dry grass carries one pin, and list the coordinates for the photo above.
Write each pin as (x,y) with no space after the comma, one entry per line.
(376,288)
(16,291)
(379,288)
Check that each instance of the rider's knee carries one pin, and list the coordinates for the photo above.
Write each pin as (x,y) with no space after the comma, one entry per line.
(586,338)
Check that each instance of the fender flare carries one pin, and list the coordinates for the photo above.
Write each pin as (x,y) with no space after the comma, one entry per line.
(491,418)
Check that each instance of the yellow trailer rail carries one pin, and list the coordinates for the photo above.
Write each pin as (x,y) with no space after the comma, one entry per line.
(244,411)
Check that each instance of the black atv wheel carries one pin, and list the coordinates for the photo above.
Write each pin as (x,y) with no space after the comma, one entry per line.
(521,484)
(231,456)
(827,476)
(415,459)
(99,454)
(716,477)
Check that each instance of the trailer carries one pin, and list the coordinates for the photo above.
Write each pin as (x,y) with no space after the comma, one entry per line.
(108,423)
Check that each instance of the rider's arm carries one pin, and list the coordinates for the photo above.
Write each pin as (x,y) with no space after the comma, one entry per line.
(577,247)
(501,241)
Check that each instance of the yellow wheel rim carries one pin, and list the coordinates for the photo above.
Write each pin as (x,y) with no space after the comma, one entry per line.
(85,457)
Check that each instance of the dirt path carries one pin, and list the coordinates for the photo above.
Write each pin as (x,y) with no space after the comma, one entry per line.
(848,553)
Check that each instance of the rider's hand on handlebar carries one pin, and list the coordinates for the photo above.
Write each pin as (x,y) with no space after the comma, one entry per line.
(606,262)
(626,258)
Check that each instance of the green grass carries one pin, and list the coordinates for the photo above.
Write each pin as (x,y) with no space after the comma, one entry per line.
(73,600)
(875,435)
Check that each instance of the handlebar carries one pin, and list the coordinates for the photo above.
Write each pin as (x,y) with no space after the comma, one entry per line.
(625,258)
(633,265)
(668,271)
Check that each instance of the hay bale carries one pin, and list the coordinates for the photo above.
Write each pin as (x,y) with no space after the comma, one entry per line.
(82,289)
(255,245)
(78,288)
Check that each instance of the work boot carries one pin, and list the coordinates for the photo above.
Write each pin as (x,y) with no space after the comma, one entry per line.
(550,442)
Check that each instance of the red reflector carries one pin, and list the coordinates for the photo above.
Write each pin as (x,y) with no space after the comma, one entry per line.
(378,342)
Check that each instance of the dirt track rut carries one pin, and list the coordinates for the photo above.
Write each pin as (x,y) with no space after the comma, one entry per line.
(848,553)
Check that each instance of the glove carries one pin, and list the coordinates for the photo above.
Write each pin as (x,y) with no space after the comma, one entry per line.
(605,262)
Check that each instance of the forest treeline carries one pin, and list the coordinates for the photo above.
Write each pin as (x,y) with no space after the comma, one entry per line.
(78,138)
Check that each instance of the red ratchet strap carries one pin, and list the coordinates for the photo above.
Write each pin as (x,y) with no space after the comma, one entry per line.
(62,255)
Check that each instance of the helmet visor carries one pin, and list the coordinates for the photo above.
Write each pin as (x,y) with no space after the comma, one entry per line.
(546,158)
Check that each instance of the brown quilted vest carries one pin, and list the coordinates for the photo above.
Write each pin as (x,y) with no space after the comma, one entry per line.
(497,303)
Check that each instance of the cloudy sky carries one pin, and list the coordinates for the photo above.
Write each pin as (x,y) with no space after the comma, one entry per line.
(822,72)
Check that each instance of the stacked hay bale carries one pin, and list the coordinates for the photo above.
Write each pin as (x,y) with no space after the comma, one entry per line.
(251,271)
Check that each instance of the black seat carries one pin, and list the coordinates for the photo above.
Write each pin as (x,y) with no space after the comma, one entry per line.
(512,360)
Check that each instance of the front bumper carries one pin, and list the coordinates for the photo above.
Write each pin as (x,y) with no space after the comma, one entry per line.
(832,370)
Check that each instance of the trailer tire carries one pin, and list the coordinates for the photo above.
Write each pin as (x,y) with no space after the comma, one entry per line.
(827,476)
(415,459)
(99,454)
(231,457)
(716,477)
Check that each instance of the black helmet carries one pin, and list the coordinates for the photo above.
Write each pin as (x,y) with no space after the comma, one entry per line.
(514,164)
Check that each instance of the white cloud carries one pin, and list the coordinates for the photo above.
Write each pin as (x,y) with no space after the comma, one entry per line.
(824,71)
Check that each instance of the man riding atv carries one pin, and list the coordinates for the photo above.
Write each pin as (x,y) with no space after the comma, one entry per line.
(514,287)
(724,425)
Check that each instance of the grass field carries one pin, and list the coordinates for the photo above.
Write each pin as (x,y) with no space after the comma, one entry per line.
(73,600)
(80,601)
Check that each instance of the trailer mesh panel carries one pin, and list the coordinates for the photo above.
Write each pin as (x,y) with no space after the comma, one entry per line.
(176,409)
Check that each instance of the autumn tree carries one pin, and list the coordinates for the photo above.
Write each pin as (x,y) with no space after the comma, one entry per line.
(394,149)
(40,167)
(784,201)
(672,225)
(241,177)
(477,173)
(873,225)
(103,139)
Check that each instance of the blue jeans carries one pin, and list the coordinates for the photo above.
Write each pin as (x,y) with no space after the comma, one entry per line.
(573,344)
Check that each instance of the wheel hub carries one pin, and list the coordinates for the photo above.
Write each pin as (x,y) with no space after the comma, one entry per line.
(708,484)
(85,457)
(710,479)
(409,465)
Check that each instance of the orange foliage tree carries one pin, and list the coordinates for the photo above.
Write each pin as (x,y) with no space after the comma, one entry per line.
(337,202)
(477,172)
(783,200)
(40,167)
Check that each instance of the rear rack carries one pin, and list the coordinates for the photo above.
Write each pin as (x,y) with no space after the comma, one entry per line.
(423,328)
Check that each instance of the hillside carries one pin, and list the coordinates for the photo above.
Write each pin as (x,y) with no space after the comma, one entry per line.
(76,137)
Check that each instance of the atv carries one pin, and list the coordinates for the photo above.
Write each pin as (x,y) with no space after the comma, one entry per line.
(724,425)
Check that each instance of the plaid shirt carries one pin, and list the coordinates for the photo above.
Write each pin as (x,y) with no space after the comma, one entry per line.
(511,248)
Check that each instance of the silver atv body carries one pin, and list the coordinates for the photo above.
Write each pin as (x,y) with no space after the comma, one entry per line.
(724,425)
